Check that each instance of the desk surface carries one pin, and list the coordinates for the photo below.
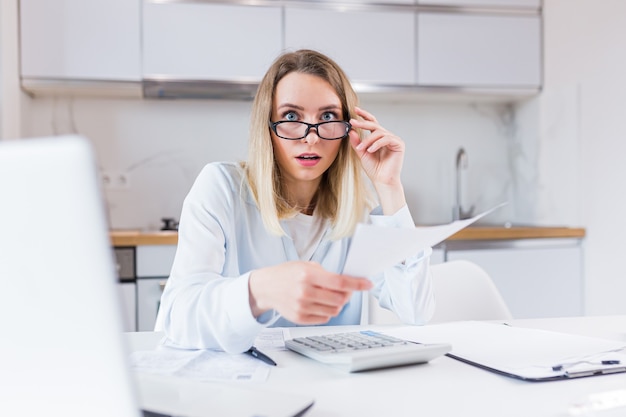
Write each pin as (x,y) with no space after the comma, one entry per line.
(443,387)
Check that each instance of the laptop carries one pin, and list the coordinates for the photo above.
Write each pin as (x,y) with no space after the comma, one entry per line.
(62,351)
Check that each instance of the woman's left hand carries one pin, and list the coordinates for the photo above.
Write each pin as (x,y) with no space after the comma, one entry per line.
(381,152)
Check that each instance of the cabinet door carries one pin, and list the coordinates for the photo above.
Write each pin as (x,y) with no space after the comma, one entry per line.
(378,2)
(129,305)
(438,256)
(531,4)
(78,39)
(149,291)
(478,50)
(371,46)
(535,282)
(154,263)
(196,41)
(154,260)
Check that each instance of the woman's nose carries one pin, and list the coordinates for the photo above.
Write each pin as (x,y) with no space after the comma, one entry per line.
(312,137)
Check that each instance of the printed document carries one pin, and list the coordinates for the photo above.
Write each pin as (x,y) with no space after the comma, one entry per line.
(207,364)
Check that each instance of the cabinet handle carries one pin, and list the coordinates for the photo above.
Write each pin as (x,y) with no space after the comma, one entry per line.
(162,284)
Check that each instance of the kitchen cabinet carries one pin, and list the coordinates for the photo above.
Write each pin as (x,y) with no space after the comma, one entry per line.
(80,40)
(536,277)
(438,256)
(204,41)
(389,2)
(213,49)
(531,4)
(372,46)
(128,301)
(478,50)
(154,263)
(125,267)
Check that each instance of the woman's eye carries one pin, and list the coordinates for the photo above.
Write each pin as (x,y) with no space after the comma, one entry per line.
(291,116)
(327,117)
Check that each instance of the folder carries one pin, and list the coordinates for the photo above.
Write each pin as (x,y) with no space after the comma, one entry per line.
(523,353)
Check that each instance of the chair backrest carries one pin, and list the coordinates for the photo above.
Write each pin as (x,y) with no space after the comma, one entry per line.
(463,291)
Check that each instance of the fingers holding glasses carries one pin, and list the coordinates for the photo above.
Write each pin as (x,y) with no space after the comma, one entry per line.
(381,152)
(378,138)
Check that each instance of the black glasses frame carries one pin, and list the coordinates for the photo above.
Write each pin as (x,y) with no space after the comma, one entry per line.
(310,126)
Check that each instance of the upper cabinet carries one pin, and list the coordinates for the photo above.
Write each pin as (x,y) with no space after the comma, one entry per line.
(205,41)
(372,46)
(471,50)
(80,40)
(533,4)
(221,48)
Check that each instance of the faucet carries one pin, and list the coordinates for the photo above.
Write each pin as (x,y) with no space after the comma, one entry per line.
(457,211)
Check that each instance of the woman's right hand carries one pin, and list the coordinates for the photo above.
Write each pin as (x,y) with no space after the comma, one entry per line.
(302,292)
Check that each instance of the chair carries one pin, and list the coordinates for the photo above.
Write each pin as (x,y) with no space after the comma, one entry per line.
(463,291)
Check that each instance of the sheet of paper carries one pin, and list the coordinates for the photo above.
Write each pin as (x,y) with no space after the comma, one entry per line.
(209,365)
(375,248)
(271,339)
(200,365)
(530,353)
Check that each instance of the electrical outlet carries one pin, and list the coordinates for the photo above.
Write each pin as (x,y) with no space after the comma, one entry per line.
(115,180)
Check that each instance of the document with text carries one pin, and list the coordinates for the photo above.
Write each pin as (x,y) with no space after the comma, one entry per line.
(207,364)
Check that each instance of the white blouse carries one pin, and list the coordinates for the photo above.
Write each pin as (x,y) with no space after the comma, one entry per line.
(306,233)
(221,239)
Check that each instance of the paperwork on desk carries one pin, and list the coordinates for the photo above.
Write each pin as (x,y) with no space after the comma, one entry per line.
(523,353)
(206,364)
(375,248)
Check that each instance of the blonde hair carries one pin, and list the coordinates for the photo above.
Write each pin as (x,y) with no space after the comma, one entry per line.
(343,196)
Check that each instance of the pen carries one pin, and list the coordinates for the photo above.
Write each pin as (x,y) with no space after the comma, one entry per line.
(260,355)
(557,368)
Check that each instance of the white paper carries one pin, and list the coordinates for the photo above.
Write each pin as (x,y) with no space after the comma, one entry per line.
(271,338)
(200,365)
(530,353)
(375,248)
(209,365)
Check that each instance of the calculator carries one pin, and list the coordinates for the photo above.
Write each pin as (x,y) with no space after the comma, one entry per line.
(364,350)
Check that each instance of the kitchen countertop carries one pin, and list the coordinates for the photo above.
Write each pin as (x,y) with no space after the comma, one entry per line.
(138,237)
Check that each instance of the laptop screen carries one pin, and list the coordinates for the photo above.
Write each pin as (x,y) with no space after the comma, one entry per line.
(62,351)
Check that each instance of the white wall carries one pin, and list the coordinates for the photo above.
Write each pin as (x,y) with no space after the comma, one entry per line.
(10,94)
(163,144)
(583,136)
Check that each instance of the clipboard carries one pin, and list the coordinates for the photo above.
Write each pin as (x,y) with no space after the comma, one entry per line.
(527,354)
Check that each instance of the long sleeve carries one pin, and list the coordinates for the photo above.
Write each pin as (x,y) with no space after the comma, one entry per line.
(205,303)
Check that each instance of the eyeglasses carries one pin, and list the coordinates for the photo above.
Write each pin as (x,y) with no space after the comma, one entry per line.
(332,130)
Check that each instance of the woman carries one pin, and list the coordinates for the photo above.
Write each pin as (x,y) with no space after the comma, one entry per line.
(263,243)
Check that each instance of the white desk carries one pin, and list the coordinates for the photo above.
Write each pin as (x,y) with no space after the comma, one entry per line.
(443,387)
